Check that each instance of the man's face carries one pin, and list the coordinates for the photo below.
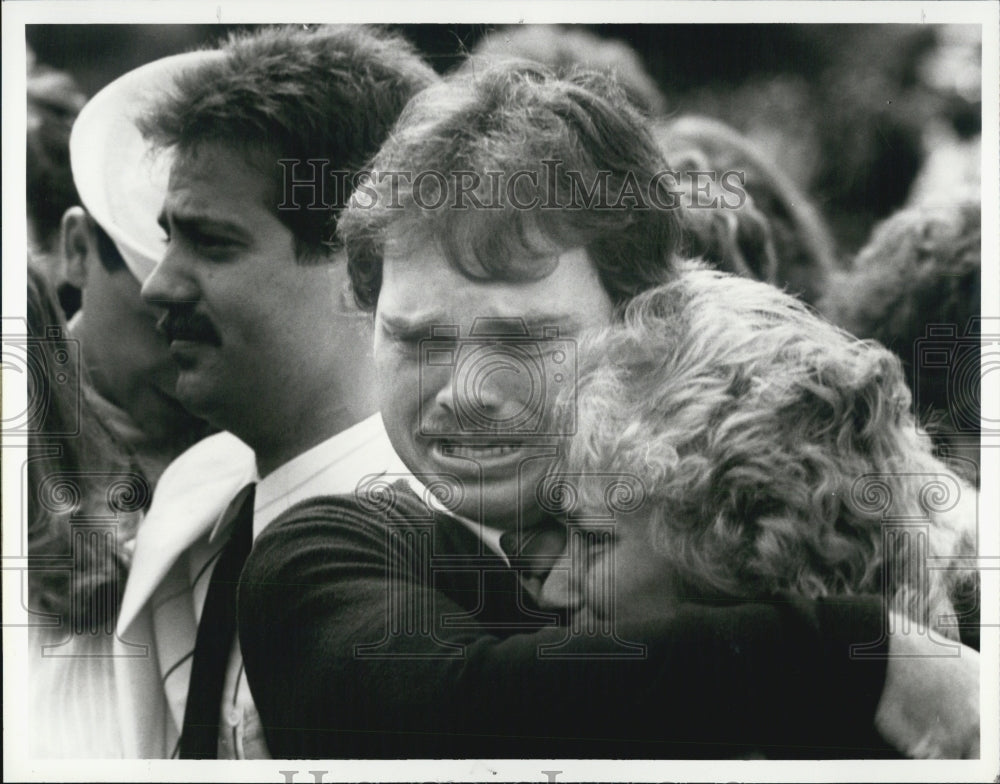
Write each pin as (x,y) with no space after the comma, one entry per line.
(246,324)
(473,400)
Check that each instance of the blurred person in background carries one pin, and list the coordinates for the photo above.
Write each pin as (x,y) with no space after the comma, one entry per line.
(565,48)
(852,112)
(915,288)
(54,100)
(109,421)
(896,96)
(952,138)
(775,234)
(77,475)
(109,245)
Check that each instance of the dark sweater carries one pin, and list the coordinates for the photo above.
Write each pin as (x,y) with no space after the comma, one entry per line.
(394,634)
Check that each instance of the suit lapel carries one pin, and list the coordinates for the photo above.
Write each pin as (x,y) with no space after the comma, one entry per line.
(175,628)
(158,609)
(193,492)
(452,538)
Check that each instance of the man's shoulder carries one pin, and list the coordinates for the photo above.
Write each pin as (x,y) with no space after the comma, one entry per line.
(378,502)
(201,481)
(378,519)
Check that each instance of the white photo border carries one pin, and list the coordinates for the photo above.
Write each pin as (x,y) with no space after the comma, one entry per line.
(18,14)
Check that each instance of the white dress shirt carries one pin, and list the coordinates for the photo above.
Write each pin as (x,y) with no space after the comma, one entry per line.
(175,552)
(334,467)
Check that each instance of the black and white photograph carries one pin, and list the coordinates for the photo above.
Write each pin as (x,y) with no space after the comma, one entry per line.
(513,392)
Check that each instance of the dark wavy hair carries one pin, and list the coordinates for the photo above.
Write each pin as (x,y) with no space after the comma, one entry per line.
(289,93)
(517,117)
(565,48)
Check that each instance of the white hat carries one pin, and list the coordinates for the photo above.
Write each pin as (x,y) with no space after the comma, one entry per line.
(122,182)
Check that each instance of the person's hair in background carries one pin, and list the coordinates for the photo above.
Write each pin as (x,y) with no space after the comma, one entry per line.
(753,425)
(889,93)
(566,49)
(243,100)
(516,116)
(775,234)
(54,101)
(75,470)
(921,267)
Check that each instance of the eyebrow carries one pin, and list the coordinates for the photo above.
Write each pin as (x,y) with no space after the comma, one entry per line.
(195,223)
(408,325)
(564,321)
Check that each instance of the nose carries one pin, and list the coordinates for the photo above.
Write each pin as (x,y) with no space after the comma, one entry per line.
(171,282)
(442,380)
(494,388)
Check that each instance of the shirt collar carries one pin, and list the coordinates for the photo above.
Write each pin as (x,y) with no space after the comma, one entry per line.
(487,533)
(332,467)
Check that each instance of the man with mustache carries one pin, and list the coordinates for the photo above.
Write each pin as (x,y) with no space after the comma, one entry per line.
(267,348)
(410,609)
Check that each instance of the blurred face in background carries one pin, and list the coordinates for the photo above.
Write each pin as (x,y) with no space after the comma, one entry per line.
(126,358)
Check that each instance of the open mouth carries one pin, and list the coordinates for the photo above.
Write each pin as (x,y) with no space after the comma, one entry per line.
(477,452)
(464,450)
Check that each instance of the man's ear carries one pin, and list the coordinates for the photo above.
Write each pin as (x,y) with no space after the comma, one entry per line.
(78,242)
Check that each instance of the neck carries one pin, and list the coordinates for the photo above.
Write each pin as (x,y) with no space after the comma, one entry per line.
(328,388)
(274,449)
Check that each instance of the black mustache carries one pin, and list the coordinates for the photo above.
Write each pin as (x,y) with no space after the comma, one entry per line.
(184,324)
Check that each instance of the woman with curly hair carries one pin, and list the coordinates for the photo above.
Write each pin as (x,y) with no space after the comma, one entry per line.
(775,452)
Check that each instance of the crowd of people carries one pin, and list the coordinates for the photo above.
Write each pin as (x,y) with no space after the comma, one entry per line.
(492,414)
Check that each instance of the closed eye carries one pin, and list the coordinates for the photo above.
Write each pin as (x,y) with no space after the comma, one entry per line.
(211,241)
(212,236)
(401,332)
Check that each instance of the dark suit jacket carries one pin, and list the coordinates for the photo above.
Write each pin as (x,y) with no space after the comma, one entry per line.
(392,634)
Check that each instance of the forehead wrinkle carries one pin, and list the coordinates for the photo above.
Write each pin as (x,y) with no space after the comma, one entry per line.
(183,207)
(534,320)
(486,297)
(192,171)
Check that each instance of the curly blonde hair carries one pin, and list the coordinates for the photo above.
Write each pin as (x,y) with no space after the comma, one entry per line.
(774,449)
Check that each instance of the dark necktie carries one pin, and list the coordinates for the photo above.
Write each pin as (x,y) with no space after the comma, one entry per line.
(216,634)
(534,553)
